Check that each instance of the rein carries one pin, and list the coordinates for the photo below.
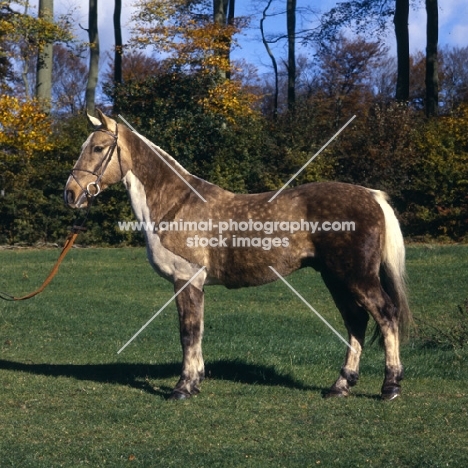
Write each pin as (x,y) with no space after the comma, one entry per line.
(76,229)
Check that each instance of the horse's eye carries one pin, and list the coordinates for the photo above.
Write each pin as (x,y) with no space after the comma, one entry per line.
(98,149)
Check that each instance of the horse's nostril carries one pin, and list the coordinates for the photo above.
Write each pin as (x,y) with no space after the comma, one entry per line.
(69,197)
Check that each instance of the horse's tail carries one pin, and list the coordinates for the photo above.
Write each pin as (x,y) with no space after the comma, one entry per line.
(392,271)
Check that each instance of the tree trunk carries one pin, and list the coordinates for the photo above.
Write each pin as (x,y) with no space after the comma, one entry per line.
(45,60)
(223,14)
(400,21)
(273,60)
(93,35)
(432,68)
(291,31)
(118,42)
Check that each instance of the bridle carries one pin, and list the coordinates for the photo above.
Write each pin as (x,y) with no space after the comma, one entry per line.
(100,168)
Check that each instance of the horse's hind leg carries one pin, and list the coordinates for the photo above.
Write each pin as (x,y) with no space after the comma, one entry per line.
(190,304)
(355,319)
(376,301)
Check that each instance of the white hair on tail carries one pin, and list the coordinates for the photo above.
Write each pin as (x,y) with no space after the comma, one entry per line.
(393,262)
(393,251)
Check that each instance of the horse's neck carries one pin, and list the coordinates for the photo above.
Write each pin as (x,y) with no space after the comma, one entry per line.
(155,151)
(153,186)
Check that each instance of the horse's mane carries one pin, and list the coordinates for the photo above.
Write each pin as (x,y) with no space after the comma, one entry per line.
(163,154)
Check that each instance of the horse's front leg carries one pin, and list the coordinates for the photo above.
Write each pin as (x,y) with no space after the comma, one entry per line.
(190,306)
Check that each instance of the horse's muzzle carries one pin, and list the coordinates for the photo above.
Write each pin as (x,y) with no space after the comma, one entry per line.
(68,197)
(73,201)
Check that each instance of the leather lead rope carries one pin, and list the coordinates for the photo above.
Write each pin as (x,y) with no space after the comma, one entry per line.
(68,245)
(69,241)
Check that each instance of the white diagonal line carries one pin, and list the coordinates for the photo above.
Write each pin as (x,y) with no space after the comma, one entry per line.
(313,310)
(312,158)
(161,158)
(160,310)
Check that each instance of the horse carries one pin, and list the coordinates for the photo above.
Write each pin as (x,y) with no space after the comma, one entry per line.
(256,240)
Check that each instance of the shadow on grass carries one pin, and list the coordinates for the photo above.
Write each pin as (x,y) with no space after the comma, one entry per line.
(139,375)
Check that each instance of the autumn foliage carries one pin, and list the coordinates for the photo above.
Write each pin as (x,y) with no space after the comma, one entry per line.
(184,33)
(24,129)
(189,41)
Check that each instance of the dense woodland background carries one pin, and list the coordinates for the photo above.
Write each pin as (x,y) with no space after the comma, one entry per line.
(176,83)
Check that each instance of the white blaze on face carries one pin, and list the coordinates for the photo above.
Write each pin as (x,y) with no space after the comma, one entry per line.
(79,194)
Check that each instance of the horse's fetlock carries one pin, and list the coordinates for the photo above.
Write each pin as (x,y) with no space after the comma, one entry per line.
(394,374)
(351,377)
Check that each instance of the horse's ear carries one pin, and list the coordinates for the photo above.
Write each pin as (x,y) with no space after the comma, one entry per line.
(95,122)
(107,122)
(102,121)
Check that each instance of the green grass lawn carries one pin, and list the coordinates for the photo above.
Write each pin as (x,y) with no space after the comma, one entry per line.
(68,399)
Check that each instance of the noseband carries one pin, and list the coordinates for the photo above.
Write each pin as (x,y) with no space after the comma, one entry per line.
(100,169)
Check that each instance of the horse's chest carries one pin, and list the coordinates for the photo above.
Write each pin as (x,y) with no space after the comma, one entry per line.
(165,262)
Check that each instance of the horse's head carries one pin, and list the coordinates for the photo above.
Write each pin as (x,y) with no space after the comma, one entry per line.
(99,165)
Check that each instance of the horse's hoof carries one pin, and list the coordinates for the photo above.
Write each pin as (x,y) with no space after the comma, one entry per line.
(390,396)
(336,393)
(391,393)
(178,395)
